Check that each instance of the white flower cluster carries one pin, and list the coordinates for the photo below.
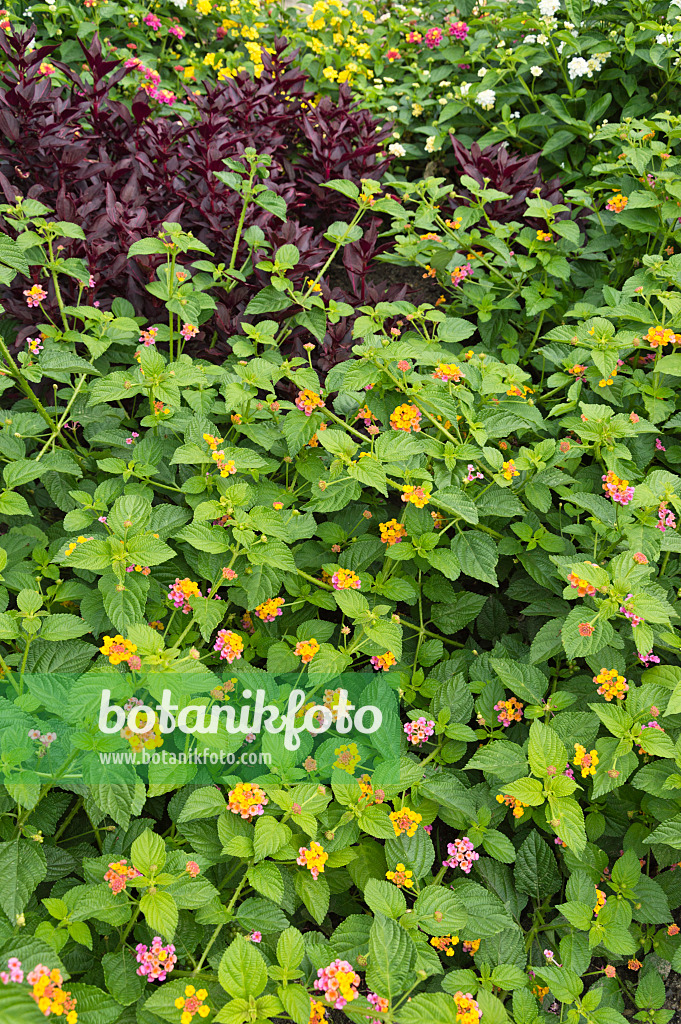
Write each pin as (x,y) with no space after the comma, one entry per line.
(536,71)
(431,144)
(486,99)
(395,149)
(465,88)
(578,66)
(664,39)
(547,8)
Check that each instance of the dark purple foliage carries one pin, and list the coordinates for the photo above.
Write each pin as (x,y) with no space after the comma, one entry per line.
(513,173)
(120,171)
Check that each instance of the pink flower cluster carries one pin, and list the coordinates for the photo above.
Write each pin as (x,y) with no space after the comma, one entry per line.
(649,658)
(460,274)
(419,731)
(636,620)
(619,490)
(152,21)
(46,739)
(461,854)
(155,962)
(665,518)
(433,37)
(473,474)
(458,29)
(177,31)
(379,1003)
(148,338)
(15,974)
(339,982)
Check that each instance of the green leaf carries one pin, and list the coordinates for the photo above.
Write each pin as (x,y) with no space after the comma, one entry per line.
(290,949)
(148,853)
(269,836)
(266,879)
(477,555)
(384,898)
(390,955)
(529,791)
(12,504)
(242,972)
(295,1000)
(314,892)
(524,681)
(122,979)
(256,914)
(161,912)
(206,802)
(546,752)
(17,1006)
(536,872)
(439,912)
(22,868)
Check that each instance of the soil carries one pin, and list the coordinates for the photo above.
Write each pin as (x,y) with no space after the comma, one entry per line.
(673,1000)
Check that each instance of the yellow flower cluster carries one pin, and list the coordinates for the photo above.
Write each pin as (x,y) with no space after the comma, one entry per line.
(392,532)
(48,993)
(306,650)
(508,470)
(405,820)
(313,858)
(401,877)
(445,943)
(611,684)
(193,1001)
(448,372)
(116,649)
(268,610)
(72,546)
(467,1009)
(585,761)
(416,496)
(406,417)
(348,757)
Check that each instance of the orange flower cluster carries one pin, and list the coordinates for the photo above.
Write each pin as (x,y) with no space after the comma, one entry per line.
(617,203)
(658,337)
(511,801)
(248,800)
(583,587)
(416,496)
(306,650)
(448,372)
(445,943)
(119,874)
(48,993)
(307,401)
(392,532)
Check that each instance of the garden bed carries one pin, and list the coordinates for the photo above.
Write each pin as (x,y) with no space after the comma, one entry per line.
(340,349)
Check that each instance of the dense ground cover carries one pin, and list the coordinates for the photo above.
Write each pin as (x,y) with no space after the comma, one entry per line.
(339,349)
